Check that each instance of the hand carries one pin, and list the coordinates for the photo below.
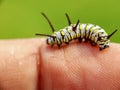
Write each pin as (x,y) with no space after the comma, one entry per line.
(31,64)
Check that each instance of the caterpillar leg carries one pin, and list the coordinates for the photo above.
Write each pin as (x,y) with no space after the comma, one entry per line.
(105,46)
(67,43)
(93,43)
(79,39)
(59,45)
(52,45)
(100,49)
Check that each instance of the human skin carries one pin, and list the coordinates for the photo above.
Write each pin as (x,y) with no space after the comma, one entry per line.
(30,64)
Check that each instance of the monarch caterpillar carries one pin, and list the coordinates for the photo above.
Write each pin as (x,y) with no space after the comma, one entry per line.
(83,32)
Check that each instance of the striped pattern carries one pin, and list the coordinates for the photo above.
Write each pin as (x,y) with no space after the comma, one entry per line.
(84,32)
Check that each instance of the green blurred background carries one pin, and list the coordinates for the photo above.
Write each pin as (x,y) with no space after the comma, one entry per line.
(22,18)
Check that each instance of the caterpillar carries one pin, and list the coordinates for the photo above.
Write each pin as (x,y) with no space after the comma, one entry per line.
(83,32)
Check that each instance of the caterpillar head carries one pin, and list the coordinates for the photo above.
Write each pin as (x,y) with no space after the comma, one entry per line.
(103,43)
(50,41)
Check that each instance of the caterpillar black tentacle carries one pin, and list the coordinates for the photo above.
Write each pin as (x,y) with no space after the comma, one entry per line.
(111,34)
(43,35)
(69,22)
(53,30)
(83,32)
